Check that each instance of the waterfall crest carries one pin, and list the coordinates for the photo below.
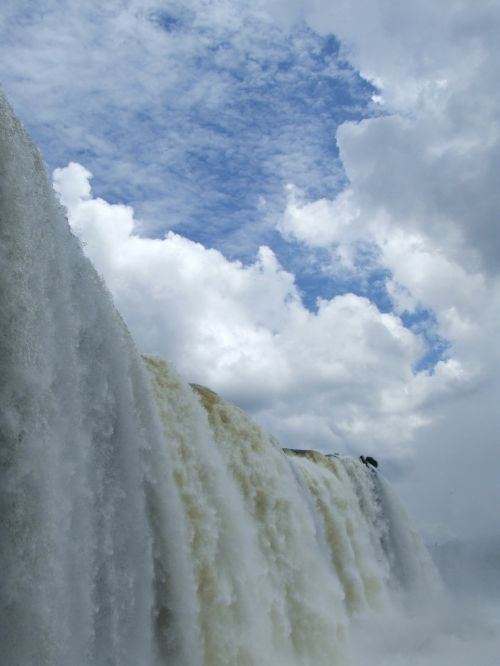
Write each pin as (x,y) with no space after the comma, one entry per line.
(145,521)
(293,546)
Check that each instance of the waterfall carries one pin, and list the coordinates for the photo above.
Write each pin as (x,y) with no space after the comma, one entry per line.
(145,521)
(93,535)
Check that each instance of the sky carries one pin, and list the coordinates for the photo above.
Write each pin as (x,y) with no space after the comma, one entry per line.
(298,204)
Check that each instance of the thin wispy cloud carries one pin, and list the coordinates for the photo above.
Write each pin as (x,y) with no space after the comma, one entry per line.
(192,116)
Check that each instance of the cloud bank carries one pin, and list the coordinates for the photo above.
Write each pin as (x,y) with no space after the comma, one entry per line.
(338,377)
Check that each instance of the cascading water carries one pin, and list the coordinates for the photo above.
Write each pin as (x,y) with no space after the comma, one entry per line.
(92,532)
(147,522)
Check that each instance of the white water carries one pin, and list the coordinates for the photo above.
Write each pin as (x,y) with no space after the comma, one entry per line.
(147,523)
(92,564)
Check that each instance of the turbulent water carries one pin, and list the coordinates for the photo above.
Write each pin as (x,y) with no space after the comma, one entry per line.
(285,548)
(146,522)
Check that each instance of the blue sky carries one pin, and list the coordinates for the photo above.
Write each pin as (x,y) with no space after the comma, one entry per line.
(295,203)
(209,151)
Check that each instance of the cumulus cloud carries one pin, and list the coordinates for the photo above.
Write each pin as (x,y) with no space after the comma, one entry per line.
(338,378)
(421,177)
(319,223)
(432,163)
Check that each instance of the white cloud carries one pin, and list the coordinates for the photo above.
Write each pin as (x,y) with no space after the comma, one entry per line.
(422,180)
(411,50)
(338,378)
(319,223)
(431,165)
